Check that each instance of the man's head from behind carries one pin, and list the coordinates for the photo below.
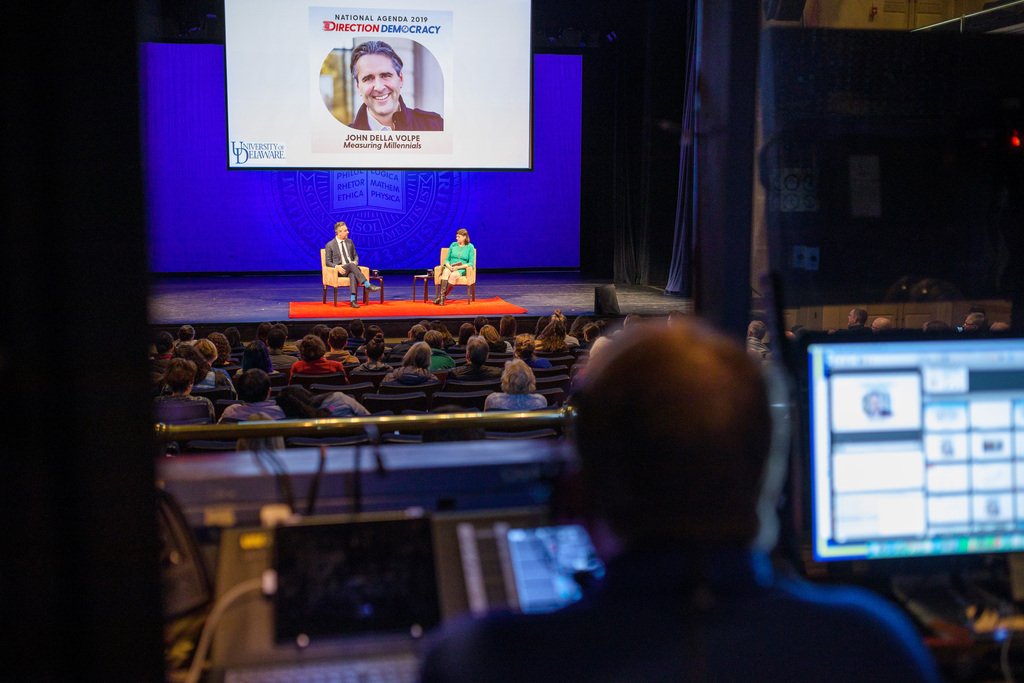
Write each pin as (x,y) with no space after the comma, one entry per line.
(276,339)
(254,386)
(679,455)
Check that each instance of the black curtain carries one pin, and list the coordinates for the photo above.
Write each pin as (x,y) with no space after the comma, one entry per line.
(680,281)
(651,81)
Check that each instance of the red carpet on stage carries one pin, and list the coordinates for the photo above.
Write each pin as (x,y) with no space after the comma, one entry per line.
(402,309)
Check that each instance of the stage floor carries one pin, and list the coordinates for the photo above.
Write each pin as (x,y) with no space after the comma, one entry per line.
(252,299)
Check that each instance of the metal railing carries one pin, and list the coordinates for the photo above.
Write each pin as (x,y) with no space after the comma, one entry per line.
(561,418)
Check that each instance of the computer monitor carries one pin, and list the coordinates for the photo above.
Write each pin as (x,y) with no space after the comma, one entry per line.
(915,445)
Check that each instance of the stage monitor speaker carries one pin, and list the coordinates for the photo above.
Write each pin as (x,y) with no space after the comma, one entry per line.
(605,300)
(783,10)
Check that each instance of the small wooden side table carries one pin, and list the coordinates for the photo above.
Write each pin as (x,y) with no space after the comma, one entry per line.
(426,279)
(380,282)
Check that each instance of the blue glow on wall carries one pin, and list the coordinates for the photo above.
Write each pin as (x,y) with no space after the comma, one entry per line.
(203,218)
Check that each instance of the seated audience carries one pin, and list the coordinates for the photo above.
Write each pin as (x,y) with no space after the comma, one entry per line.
(178,379)
(446,336)
(525,347)
(881,325)
(215,377)
(256,355)
(439,359)
(552,339)
(507,329)
(312,351)
(356,330)
(466,330)
(999,327)
(856,321)
(262,330)
(590,334)
(186,334)
(576,330)
(415,367)
(580,378)
(163,347)
(475,370)
(397,354)
(337,339)
(324,332)
(223,346)
(935,326)
(254,390)
(479,322)
(678,491)
(756,347)
(373,331)
(976,321)
(281,361)
(517,389)
(374,351)
(234,338)
(260,444)
(288,348)
(542,322)
(571,342)
(298,402)
(495,344)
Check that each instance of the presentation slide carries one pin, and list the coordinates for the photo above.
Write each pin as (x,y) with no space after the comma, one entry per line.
(203,217)
(443,84)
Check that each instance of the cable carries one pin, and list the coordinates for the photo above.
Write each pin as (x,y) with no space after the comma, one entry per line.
(1004,658)
(199,658)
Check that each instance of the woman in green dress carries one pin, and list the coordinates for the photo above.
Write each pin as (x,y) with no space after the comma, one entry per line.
(460,254)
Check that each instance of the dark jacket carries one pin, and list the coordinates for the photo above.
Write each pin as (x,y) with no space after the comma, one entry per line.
(404,119)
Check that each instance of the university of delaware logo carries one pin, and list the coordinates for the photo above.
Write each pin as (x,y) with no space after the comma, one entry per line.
(244,152)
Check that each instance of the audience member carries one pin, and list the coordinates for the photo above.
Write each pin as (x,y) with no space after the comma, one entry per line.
(337,339)
(525,348)
(475,370)
(324,332)
(446,336)
(439,359)
(254,390)
(676,488)
(223,350)
(881,325)
(256,355)
(542,322)
(552,339)
(935,326)
(976,321)
(415,368)
(191,353)
(186,334)
(856,321)
(288,348)
(297,402)
(571,342)
(999,327)
(262,330)
(372,332)
(466,330)
(494,342)
(580,378)
(312,351)
(507,329)
(756,347)
(479,322)
(518,388)
(676,318)
(178,379)
(163,347)
(356,329)
(374,351)
(234,339)
(260,444)
(590,334)
(215,377)
(397,354)
(576,330)
(281,361)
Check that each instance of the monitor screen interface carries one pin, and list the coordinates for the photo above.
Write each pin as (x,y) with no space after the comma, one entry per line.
(917,447)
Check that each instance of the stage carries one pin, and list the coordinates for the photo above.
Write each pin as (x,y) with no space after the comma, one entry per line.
(234,300)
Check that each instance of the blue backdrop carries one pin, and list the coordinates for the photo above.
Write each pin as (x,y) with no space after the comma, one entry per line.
(203,218)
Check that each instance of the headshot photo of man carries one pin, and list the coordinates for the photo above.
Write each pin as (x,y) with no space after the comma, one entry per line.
(377,72)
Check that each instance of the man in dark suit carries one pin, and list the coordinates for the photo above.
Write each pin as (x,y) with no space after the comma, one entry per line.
(341,253)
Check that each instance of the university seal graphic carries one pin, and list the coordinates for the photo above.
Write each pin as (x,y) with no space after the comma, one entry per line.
(398,219)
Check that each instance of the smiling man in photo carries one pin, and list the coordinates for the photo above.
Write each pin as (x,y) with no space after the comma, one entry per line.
(377,70)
